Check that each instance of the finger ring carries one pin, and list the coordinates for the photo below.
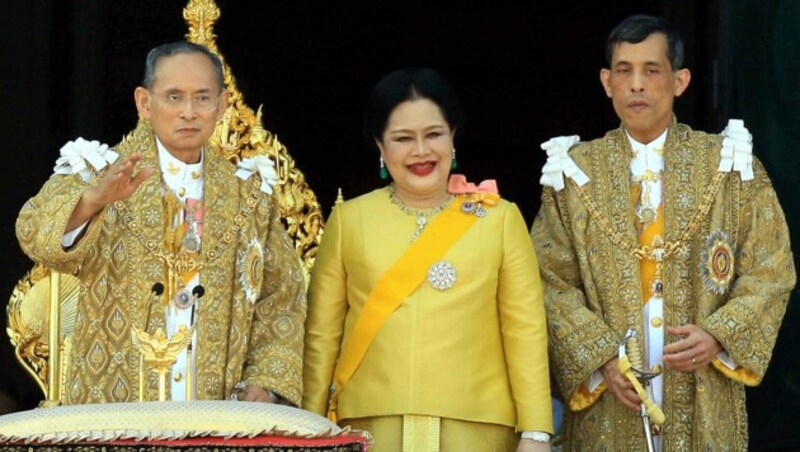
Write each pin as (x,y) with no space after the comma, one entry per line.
(694,361)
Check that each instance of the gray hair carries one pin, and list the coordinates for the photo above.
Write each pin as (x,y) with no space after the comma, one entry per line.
(175,48)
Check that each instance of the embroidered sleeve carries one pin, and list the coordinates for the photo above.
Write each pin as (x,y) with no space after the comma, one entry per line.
(747,325)
(275,357)
(43,219)
(579,340)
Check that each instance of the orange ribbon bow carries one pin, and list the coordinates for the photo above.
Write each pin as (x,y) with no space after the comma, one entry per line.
(486,192)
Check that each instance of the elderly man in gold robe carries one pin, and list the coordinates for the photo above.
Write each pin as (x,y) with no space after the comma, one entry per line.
(674,233)
(164,234)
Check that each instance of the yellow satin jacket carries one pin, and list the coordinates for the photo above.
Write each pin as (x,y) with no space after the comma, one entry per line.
(476,351)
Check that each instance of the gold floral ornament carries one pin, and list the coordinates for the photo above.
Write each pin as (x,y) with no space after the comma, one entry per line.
(29,319)
(241,135)
(250,264)
(718,262)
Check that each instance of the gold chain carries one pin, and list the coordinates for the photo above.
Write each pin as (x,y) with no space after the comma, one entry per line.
(658,252)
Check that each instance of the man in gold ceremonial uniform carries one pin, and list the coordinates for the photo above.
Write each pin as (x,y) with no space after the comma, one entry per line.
(173,236)
(674,233)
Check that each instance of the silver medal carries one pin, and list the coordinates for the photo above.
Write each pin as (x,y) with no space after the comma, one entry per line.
(191,239)
(184,299)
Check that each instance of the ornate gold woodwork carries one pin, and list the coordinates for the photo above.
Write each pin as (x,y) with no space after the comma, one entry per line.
(29,320)
(241,134)
(238,135)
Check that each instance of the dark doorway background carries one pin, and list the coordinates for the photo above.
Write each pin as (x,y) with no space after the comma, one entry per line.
(525,71)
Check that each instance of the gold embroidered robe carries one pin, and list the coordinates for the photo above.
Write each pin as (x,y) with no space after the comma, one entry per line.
(250,322)
(593,291)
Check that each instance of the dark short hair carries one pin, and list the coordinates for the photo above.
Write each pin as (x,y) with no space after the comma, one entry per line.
(409,84)
(636,29)
(175,48)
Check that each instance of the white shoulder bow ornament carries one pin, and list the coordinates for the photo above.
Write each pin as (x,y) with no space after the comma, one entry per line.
(560,164)
(265,168)
(79,156)
(737,149)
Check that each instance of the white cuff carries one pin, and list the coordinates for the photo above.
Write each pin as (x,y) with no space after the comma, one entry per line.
(69,238)
(726,359)
(594,380)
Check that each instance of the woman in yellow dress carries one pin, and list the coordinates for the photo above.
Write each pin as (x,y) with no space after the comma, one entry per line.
(426,323)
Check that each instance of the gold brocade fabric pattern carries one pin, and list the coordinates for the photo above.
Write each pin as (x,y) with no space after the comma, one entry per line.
(260,342)
(593,292)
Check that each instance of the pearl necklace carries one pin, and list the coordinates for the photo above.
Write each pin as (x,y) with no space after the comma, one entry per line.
(422,214)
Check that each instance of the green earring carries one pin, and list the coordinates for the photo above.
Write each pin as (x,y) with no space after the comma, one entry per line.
(383,173)
(453,162)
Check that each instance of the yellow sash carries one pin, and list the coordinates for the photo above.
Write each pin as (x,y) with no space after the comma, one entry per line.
(647,272)
(647,269)
(646,235)
(393,287)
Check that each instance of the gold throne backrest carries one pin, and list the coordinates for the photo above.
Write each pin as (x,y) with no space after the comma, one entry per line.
(240,134)
(29,320)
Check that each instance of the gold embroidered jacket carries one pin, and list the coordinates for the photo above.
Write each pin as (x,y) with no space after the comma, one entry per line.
(593,291)
(245,250)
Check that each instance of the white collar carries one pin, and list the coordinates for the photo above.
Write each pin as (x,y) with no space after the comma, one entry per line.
(648,156)
(654,145)
(175,170)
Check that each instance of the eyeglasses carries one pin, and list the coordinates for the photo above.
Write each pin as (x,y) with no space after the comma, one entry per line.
(176,101)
